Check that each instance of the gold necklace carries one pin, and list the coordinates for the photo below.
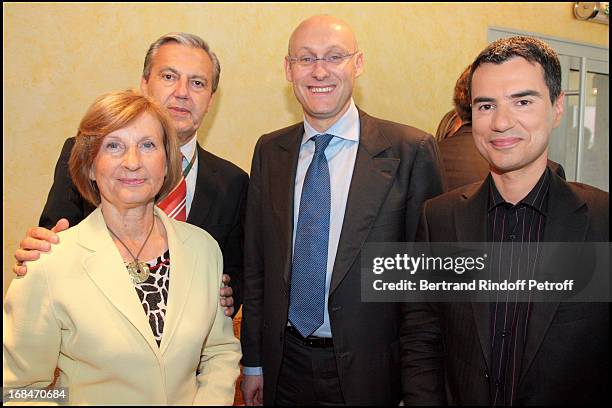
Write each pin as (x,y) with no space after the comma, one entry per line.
(139,271)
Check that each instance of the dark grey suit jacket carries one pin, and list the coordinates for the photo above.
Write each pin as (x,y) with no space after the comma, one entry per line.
(218,207)
(396,169)
(446,347)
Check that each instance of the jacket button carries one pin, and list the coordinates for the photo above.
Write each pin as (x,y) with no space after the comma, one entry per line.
(486,375)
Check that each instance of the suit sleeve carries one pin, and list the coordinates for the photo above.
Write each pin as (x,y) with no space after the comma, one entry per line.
(219,359)
(421,346)
(64,200)
(31,333)
(252,310)
(426,181)
(233,247)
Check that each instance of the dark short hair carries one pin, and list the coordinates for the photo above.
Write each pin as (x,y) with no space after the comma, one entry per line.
(533,50)
(111,112)
(190,40)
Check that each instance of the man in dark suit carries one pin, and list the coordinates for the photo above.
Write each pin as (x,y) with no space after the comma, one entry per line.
(319,191)
(182,74)
(511,353)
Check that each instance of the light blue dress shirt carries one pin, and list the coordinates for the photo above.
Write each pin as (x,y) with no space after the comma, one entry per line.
(341,154)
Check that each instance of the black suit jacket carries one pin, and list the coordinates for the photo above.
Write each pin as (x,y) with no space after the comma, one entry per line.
(446,346)
(396,169)
(218,207)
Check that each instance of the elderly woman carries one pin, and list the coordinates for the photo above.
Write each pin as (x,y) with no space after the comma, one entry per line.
(126,306)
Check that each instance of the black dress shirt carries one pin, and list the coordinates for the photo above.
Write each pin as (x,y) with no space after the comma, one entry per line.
(519,227)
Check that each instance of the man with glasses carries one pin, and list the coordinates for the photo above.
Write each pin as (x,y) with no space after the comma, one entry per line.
(319,191)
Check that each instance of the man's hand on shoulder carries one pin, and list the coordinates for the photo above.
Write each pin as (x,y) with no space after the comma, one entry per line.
(37,240)
(227,301)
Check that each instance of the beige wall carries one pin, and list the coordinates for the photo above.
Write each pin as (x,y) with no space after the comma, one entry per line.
(59,57)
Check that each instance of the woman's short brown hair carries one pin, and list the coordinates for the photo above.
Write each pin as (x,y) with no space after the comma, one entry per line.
(449,124)
(111,112)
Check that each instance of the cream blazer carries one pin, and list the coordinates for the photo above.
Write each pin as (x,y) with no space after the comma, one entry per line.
(77,309)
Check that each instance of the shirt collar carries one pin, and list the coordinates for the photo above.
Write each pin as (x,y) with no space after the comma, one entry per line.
(347,127)
(536,198)
(188,149)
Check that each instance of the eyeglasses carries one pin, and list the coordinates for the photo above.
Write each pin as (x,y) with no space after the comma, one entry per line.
(309,60)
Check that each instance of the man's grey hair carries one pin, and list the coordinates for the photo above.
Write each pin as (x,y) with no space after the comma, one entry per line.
(190,40)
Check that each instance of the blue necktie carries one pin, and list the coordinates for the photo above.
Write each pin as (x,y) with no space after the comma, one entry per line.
(307,297)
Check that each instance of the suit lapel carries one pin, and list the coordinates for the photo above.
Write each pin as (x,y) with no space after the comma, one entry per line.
(182,268)
(471,226)
(282,173)
(567,221)
(471,214)
(205,191)
(372,178)
(107,270)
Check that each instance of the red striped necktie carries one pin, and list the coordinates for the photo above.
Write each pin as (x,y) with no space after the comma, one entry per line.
(175,204)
